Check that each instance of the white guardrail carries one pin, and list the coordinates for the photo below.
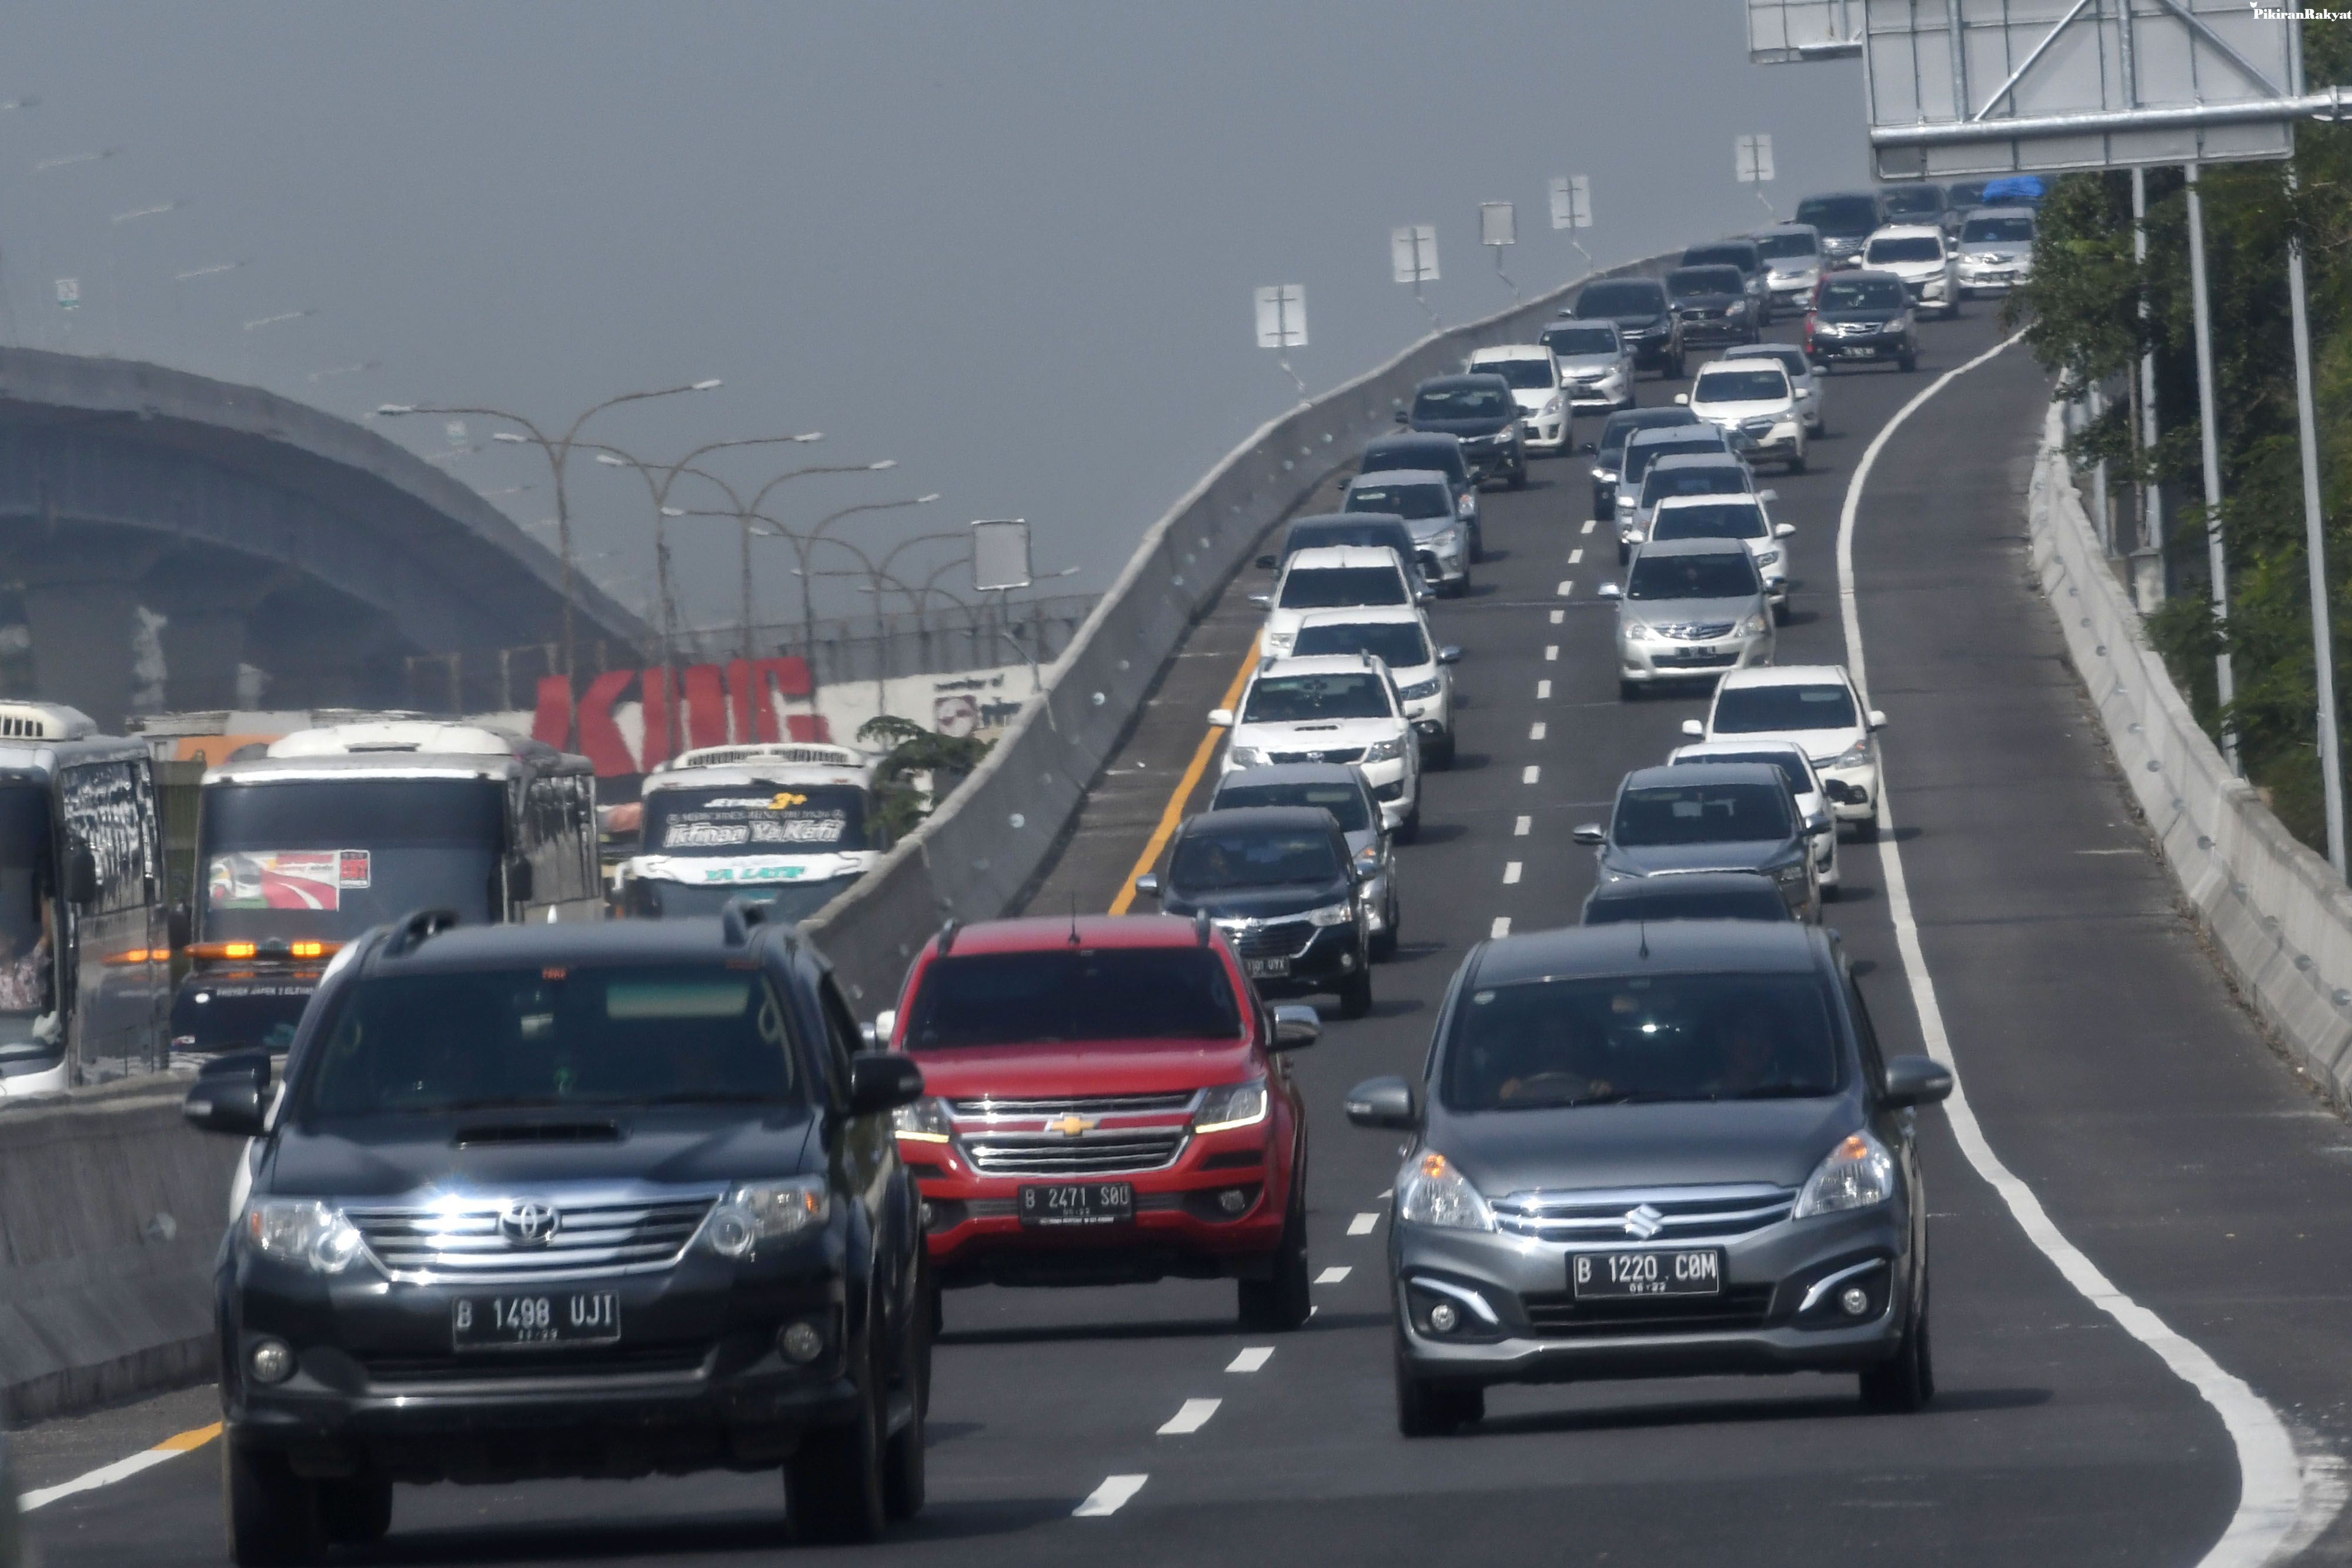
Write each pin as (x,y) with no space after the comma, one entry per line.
(2276,912)
(974,857)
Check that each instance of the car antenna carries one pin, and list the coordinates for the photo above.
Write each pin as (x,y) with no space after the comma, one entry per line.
(1645,938)
(1074,919)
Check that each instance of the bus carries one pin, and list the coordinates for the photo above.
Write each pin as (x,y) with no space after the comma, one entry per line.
(790,824)
(328,831)
(85,942)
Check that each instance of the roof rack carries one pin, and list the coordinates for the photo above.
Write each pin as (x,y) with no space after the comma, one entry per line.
(416,927)
(1201,926)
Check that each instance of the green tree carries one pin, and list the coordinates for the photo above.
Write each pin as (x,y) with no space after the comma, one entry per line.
(949,759)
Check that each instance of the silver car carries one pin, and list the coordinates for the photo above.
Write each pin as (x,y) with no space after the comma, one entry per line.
(1338,788)
(1690,608)
(1595,365)
(1996,250)
(1655,1150)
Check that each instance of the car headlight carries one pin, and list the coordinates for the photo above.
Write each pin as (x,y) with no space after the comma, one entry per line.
(1858,1174)
(1418,690)
(1245,757)
(1768,557)
(1331,914)
(1232,1105)
(303,1231)
(1605,475)
(1549,408)
(1739,307)
(1368,860)
(1854,756)
(1387,750)
(1452,542)
(1279,641)
(1434,1193)
(925,1121)
(1465,503)
(1752,627)
(1794,872)
(1642,632)
(766,1211)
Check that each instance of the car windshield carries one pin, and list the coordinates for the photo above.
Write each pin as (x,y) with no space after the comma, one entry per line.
(1723,576)
(1713,520)
(1569,341)
(1526,375)
(1462,402)
(1344,802)
(1622,427)
(1441,453)
(1787,246)
(1657,898)
(1913,201)
(1413,501)
(1337,587)
(1684,280)
(1399,645)
(1382,533)
(1905,247)
(1861,294)
(1761,710)
(1732,256)
(1638,458)
(1212,857)
(1299,699)
(1790,360)
(1550,1043)
(328,858)
(1791,766)
(1715,479)
(738,819)
(1967,194)
(1668,814)
(1093,994)
(551,1035)
(1848,217)
(1764,385)
(656,898)
(1626,297)
(2016,229)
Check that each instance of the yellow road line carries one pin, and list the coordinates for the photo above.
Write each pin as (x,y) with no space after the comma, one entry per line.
(1173,815)
(184,1441)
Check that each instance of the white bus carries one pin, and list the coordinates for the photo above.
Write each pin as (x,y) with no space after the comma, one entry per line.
(791,824)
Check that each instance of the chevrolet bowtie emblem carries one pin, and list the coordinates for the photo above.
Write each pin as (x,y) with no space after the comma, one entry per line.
(1072,1127)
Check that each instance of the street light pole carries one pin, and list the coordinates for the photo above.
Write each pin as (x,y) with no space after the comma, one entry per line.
(745,513)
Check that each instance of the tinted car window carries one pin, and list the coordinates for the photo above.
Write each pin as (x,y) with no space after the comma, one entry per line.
(1337,587)
(1569,340)
(2016,230)
(1913,201)
(1782,247)
(1103,993)
(1399,645)
(1295,699)
(1415,501)
(1790,358)
(1741,386)
(1550,1043)
(1638,458)
(1967,194)
(1728,521)
(1742,256)
(1415,452)
(1665,814)
(1848,217)
(1526,375)
(1345,804)
(1713,480)
(1462,402)
(1906,248)
(1648,902)
(1704,280)
(1317,536)
(1751,710)
(1786,761)
(1211,857)
(1621,297)
(1621,426)
(1861,294)
(1724,576)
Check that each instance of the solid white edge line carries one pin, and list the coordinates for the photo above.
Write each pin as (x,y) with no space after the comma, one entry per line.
(1111,1496)
(2270,1478)
(1190,1416)
(104,1476)
(1251,1359)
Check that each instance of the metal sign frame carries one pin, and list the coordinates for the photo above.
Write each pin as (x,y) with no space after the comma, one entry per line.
(1000,554)
(1781,32)
(1282,316)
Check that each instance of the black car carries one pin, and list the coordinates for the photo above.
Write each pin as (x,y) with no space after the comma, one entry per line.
(1644,318)
(1920,204)
(1480,410)
(1280,882)
(1846,220)
(1374,528)
(1712,306)
(1749,258)
(567,1200)
(1431,450)
(1697,895)
(1609,452)
(1861,316)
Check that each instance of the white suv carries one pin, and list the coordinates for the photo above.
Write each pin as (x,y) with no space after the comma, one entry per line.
(1331,577)
(1331,708)
(1400,638)
(1923,258)
(1816,707)
(1545,417)
(1755,405)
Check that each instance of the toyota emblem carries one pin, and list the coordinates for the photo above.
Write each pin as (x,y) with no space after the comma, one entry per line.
(529,1223)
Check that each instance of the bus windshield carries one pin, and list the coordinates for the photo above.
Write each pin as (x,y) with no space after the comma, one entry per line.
(738,819)
(656,898)
(328,858)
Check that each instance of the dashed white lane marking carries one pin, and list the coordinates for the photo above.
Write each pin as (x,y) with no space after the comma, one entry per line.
(1363,1225)
(2110,852)
(1333,1275)
(1519,828)
(1551,651)
(2272,1499)
(1530,773)
(1190,1416)
(1510,873)
(1557,616)
(1543,691)
(121,1469)
(1536,731)
(1575,556)
(1589,525)
(1567,586)
(1501,929)
(1109,1497)
(1250,1360)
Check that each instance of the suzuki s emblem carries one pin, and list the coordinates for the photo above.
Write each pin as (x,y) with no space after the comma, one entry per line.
(1645,1222)
(1072,1126)
(529,1223)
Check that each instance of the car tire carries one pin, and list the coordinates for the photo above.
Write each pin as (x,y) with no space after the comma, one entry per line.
(1441,755)
(1866,831)
(1629,691)
(1906,1381)
(1517,481)
(1428,1409)
(1830,892)
(1383,944)
(834,1489)
(1356,995)
(1780,613)
(1281,1303)
(273,1514)
(1408,830)
(1908,360)
(1797,460)
(1478,546)
(357,1511)
(903,1455)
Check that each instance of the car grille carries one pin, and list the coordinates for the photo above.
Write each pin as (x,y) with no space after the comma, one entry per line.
(1682,1213)
(1279,939)
(1698,630)
(1090,1153)
(538,1362)
(1093,1105)
(602,1234)
(1337,753)
(1558,1315)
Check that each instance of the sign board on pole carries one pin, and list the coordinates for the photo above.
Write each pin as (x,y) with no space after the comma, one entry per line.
(1992,87)
(68,293)
(1282,317)
(1779,31)
(1497,223)
(1752,156)
(1571,201)
(1000,554)
(1412,253)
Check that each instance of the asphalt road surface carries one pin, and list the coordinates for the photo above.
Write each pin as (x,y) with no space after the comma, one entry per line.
(2143,1119)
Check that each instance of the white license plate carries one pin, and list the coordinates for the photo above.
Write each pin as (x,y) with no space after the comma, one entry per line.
(548,1318)
(1266,969)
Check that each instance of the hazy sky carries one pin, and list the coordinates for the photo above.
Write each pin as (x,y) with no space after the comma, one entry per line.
(1010,245)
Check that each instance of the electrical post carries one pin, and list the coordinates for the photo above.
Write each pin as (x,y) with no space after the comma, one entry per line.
(2315,534)
(1571,209)
(1282,325)
(1752,161)
(1498,225)
(1412,258)
(2208,425)
(2147,562)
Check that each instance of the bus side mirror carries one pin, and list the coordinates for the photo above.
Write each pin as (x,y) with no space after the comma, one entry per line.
(518,880)
(81,875)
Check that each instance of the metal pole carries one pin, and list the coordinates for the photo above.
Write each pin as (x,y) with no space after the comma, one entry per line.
(2323,640)
(2097,408)
(2151,496)
(745,522)
(2225,684)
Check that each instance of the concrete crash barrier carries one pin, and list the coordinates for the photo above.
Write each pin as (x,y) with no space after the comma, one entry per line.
(2275,910)
(112,1211)
(990,840)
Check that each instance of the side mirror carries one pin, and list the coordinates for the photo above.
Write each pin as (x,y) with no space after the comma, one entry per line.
(1877,719)
(1263,600)
(1782,530)
(1148,885)
(81,875)
(1266,563)
(1449,654)
(1587,446)
(1221,718)
(876,1035)
(1694,729)
(179,926)
(1682,400)
(1423,595)
(1837,790)
(518,880)
(1817,824)
(231,1094)
(1588,833)
(1383,1103)
(1767,497)
(1916,1081)
(1296,1025)
(1609,590)
(883,1081)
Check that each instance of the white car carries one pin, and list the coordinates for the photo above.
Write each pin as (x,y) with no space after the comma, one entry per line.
(1816,707)
(1546,420)
(1687,474)
(1332,708)
(1753,402)
(1792,359)
(1595,365)
(1996,247)
(1741,518)
(1400,638)
(1792,263)
(1330,577)
(1804,783)
(1923,258)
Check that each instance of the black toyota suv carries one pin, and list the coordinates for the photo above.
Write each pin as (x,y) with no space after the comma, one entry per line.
(1749,258)
(1480,410)
(1644,318)
(1280,881)
(540,1201)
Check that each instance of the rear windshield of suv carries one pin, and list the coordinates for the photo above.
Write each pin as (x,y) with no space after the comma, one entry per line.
(1783,247)
(1905,247)
(1399,645)
(1848,217)
(1723,521)
(1382,533)
(1667,814)
(1569,341)
(1715,479)
(551,1036)
(1099,995)
(1762,710)
(1704,280)
(1337,587)
(1646,902)
(1344,802)
(1763,384)
(1718,255)
(1464,402)
(1628,296)
(1638,458)
(1526,375)
(1305,699)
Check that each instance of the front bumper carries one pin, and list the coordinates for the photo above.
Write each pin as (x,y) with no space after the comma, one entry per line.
(1491,460)
(1540,1332)
(1609,391)
(1871,345)
(1650,348)
(1780,442)
(1676,661)
(1997,279)
(1548,436)
(1701,329)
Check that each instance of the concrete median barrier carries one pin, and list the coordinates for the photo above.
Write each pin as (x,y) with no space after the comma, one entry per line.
(2275,911)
